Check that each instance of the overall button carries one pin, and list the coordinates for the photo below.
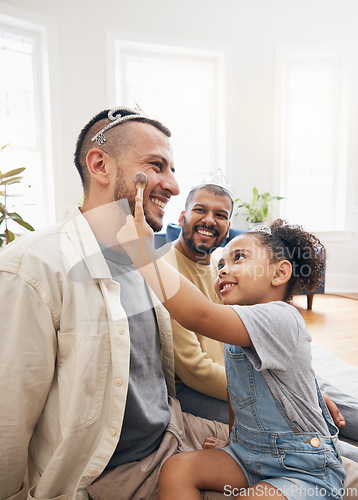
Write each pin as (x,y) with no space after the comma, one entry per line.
(315,442)
(93,471)
(118,381)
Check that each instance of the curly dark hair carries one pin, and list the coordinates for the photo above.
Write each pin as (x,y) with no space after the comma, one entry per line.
(302,249)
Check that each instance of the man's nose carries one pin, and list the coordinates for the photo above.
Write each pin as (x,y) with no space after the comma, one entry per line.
(209,219)
(169,183)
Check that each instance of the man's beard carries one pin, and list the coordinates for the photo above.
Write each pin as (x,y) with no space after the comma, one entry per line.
(201,248)
(124,192)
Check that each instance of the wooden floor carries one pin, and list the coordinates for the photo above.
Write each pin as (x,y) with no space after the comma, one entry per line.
(333,324)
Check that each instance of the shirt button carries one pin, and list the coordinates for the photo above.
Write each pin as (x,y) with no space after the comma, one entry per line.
(121,331)
(113,432)
(315,442)
(118,381)
(93,471)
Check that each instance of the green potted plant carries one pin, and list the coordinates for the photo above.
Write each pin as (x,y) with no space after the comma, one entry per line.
(258,209)
(6,179)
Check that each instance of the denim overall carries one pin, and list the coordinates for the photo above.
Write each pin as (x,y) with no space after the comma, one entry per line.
(271,448)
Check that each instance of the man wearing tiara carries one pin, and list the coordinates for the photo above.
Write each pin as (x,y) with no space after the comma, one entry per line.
(86,362)
(86,366)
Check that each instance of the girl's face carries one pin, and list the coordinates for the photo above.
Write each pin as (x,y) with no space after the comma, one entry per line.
(246,274)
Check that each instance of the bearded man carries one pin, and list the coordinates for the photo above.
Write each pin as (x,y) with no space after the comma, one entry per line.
(86,367)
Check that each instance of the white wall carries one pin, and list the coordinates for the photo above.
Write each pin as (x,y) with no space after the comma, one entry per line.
(247,30)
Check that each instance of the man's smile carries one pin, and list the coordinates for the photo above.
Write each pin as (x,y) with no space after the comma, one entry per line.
(159,200)
(203,231)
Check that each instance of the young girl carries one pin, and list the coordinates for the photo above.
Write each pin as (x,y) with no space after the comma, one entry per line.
(283,442)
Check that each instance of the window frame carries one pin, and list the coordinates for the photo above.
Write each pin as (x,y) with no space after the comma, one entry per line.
(341,55)
(38,33)
(118,45)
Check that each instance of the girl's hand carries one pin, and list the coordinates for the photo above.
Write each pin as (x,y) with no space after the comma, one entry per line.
(213,442)
(136,236)
(337,416)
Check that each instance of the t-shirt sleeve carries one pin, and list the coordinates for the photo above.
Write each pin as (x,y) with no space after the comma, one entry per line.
(274,332)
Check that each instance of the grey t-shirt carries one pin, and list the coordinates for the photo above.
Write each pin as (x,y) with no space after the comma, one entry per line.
(147,412)
(281,351)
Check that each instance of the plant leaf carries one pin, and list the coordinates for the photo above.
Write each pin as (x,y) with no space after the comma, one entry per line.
(11,180)
(17,218)
(3,147)
(23,223)
(256,195)
(16,171)
(9,236)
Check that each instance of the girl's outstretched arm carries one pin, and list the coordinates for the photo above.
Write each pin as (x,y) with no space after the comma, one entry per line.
(180,297)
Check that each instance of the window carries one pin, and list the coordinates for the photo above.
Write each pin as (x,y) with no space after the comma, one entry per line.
(22,122)
(184,89)
(311,141)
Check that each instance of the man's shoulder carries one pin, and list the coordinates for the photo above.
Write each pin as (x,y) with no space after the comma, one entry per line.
(178,260)
(171,254)
(26,243)
(41,240)
(30,249)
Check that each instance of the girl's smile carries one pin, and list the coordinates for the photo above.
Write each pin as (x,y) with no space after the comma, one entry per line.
(246,273)
(226,286)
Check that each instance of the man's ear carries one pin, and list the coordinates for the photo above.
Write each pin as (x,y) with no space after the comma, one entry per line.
(96,160)
(181,218)
(283,272)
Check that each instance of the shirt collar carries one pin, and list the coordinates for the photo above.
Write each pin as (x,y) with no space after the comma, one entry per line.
(80,233)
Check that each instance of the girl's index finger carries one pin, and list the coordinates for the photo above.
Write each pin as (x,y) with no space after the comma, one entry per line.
(139,212)
(140,182)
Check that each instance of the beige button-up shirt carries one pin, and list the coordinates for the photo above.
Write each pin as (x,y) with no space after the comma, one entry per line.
(64,362)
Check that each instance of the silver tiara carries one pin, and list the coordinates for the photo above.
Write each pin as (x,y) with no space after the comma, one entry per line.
(262,228)
(115,117)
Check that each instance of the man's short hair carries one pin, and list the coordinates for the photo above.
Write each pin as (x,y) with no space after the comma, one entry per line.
(211,188)
(100,125)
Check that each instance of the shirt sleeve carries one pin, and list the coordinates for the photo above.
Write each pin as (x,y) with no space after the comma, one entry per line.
(193,365)
(274,333)
(27,360)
